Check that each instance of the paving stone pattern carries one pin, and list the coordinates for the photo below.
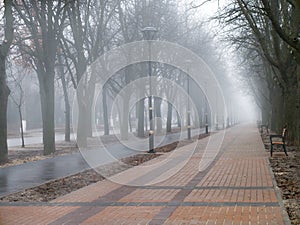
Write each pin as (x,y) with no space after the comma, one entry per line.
(237,188)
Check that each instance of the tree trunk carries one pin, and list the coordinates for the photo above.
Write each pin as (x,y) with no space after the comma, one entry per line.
(66,100)
(291,116)
(105,113)
(46,82)
(82,133)
(169,118)
(89,120)
(274,116)
(268,117)
(21,125)
(90,93)
(124,117)
(85,101)
(146,119)
(178,119)
(128,72)
(4,90)
(196,121)
(67,120)
(4,93)
(130,123)
(297,123)
(291,104)
(141,124)
(157,104)
(88,115)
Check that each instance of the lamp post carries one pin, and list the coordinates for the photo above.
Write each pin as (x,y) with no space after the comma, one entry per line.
(189,111)
(149,33)
(206,116)
(206,123)
(217,111)
(188,62)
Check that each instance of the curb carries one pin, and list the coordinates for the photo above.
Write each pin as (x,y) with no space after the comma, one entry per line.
(286,218)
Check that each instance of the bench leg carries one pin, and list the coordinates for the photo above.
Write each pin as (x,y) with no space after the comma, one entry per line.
(284,148)
(271,150)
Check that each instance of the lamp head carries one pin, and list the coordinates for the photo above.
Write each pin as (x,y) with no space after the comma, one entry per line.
(149,33)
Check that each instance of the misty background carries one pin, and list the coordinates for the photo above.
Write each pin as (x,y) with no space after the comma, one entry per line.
(255,61)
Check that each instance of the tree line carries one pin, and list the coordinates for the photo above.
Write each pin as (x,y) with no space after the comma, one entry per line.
(266,35)
(59,40)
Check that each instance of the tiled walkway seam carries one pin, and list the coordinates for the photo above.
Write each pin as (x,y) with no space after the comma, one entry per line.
(166,212)
(85,212)
(237,188)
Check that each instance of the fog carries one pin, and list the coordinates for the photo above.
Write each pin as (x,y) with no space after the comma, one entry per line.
(187,24)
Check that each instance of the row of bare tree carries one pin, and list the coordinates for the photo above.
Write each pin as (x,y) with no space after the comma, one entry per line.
(61,39)
(267,37)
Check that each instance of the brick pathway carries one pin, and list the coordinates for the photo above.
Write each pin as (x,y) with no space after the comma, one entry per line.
(237,188)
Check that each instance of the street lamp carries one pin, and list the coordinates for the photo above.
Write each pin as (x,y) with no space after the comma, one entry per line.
(149,34)
(206,111)
(217,111)
(188,62)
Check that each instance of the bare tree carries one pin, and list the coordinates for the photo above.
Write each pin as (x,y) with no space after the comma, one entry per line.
(274,31)
(84,41)
(7,39)
(44,22)
(17,94)
(62,76)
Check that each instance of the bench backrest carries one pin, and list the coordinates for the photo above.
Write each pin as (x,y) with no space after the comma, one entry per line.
(284,133)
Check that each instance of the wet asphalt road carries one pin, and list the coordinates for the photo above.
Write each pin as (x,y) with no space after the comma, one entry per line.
(19,177)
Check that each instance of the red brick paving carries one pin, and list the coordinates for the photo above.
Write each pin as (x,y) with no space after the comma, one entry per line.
(32,214)
(236,189)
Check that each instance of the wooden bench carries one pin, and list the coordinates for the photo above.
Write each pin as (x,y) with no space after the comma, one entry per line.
(278,139)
